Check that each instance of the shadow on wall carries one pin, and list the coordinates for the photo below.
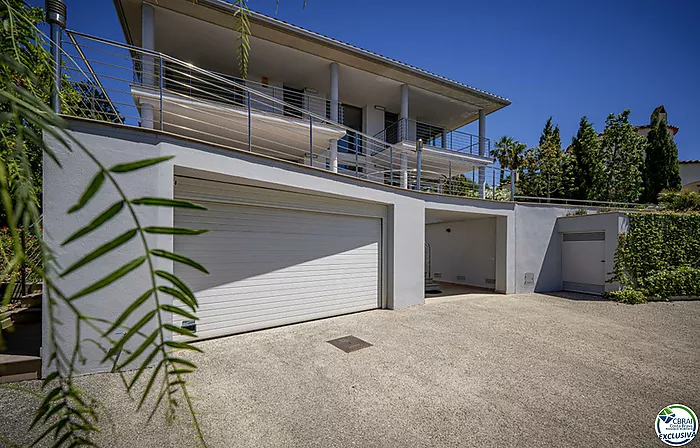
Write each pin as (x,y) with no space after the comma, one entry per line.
(257,247)
(549,277)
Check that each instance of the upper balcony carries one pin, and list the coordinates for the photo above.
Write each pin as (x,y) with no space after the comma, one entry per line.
(295,105)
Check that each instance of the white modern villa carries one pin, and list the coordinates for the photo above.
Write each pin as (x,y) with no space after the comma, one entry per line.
(336,180)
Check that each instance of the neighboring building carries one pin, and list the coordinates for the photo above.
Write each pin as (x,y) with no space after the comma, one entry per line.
(689,169)
(661,110)
(320,200)
(690,174)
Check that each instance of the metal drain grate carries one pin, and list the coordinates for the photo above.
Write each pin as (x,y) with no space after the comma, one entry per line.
(349,343)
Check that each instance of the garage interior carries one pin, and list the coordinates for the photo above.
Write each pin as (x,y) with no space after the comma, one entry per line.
(464,253)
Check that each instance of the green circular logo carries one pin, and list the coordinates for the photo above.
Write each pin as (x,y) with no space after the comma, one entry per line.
(676,425)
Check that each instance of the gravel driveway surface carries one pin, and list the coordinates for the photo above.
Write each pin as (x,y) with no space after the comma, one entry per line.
(479,370)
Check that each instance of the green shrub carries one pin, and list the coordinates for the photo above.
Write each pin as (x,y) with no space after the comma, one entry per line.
(684,281)
(660,255)
(680,201)
(627,295)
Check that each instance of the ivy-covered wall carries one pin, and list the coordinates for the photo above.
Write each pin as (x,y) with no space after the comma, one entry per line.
(660,255)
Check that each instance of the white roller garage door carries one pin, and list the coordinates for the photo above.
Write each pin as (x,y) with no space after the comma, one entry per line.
(270,265)
(583,262)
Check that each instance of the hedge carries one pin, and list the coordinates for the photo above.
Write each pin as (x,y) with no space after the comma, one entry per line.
(659,256)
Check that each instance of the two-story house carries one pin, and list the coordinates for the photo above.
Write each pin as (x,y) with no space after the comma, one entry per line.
(336,180)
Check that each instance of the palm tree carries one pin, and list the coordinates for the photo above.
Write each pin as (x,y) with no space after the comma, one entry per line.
(510,154)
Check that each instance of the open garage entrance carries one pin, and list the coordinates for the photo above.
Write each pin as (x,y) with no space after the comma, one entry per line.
(465,253)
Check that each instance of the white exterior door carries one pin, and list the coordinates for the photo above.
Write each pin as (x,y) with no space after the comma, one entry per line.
(583,262)
(272,266)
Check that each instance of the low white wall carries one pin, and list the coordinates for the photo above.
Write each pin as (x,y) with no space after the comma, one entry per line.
(466,254)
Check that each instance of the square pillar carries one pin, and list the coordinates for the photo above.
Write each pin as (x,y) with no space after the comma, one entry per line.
(482,152)
(334,115)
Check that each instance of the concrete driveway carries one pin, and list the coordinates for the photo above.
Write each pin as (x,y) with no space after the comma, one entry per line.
(479,370)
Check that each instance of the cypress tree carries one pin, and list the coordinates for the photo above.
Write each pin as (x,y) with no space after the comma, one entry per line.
(661,162)
(542,170)
(622,154)
(587,163)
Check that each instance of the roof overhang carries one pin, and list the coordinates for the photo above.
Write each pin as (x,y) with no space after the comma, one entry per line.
(264,27)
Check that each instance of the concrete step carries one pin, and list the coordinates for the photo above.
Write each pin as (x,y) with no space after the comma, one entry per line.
(19,368)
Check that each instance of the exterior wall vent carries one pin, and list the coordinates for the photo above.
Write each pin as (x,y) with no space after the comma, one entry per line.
(461,278)
(189,325)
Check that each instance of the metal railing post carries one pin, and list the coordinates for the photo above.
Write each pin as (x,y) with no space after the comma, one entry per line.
(391,165)
(311,140)
(160,89)
(56,17)
(250,128)
(493,185)
(450,173)
(419,157)
(357,150)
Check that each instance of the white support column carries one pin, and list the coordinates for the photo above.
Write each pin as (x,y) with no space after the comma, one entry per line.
(482,152)
(403,115)
(403,131)
(147,66)
(334,115)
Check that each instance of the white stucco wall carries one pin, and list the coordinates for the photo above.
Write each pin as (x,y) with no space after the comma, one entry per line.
(466,254)
(690,175)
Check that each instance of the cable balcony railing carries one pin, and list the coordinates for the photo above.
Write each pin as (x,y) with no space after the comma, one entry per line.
(131,86)
(434,136)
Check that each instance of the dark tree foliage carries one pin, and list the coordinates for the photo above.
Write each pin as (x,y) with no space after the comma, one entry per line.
(541,173)
(586,163)
(622,154)
(661,162)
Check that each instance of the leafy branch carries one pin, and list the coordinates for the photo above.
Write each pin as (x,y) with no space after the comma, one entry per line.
(67,414)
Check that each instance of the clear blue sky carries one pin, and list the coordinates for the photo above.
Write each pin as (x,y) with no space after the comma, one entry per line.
(561,58)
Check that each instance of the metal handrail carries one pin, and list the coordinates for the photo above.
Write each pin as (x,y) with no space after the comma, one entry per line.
(95,77)
(194,110)
(218,77)
(442,138)
(583,202)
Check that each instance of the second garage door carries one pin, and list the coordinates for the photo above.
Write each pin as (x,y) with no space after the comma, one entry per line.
(272,266)
(583,262)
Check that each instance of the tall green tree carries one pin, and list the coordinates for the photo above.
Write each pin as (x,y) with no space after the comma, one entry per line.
(542,170)
(20,43)
(510,154)
(21,40)
(661,161)
(622,154)
(587,163)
